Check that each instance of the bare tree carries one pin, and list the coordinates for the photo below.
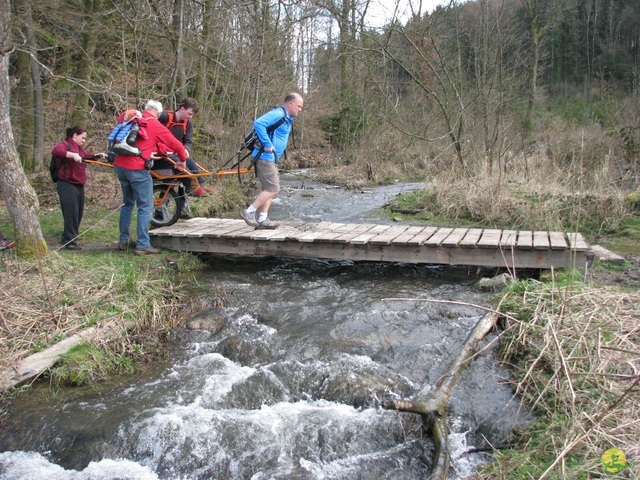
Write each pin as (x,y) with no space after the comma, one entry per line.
(416,51)
(91,10)
(19,196)
(29,91)
(178,78)
(542,16)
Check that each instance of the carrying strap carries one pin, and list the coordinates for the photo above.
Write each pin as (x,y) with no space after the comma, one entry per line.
(270,129)
(171,121)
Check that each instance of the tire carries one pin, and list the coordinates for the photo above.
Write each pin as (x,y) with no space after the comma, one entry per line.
(165,212)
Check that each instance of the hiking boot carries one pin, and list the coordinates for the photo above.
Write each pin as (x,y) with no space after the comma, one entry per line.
(249,218)
(72,246)
(267,225)
(147,250)
(201,192)
(184,215)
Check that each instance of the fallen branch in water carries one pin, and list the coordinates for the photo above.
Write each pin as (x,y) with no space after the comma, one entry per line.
(434,408)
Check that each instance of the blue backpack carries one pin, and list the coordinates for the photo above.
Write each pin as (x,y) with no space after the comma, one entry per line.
(122,140)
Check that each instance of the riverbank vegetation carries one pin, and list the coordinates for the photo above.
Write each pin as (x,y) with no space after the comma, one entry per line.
(574,351)
(49,299)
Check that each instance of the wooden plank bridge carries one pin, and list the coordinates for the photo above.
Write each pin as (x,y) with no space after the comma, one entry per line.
(379,243)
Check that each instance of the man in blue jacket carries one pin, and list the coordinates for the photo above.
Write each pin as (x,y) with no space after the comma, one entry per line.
(273,146)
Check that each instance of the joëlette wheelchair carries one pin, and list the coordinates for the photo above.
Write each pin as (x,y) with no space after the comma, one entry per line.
(169,193)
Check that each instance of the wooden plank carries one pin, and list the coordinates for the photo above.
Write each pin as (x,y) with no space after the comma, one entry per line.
(388,235)
(490,238)
(362,228)
(202,227)
(284,232)
(365,237)
(577,242)
(182,227)
(335,230)
(437,238)
(471,238)
(525,239)
(315,231)
(321,229)
(227,228)
(311,236)
(298,232)
(455,237)
(540,240)
(508,239)
(407,235)
(423,236)
(558,241)
(276,235)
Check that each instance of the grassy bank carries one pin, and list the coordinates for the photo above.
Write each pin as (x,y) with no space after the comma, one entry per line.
(574,349)
(49,299)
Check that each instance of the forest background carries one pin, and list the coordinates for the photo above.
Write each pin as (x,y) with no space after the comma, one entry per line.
(518,112)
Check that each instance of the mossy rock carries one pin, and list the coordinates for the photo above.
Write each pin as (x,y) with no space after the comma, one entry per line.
(85,364)
(632,201)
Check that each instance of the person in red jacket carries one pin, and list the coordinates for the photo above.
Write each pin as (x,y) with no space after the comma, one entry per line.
(72,177)
(136,181)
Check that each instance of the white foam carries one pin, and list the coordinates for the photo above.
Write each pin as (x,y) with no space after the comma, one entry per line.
(32,465)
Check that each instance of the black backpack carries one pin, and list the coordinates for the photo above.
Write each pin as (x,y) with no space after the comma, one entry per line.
(55,164)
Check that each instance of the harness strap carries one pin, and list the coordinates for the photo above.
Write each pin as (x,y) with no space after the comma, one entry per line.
(171,121)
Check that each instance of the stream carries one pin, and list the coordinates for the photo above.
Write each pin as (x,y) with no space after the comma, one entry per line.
(285,381)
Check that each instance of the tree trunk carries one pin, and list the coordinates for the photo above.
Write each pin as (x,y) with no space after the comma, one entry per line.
(29,94)
(24,114)
(38,100)
(91,9)
(541,22)
(200,93)
(21,199)
(178,80)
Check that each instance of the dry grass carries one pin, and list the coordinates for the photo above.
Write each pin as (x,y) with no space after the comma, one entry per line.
(541,204)
(44,302)
(577,365)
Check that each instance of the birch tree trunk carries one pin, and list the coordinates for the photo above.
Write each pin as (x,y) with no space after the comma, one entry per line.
(19,196)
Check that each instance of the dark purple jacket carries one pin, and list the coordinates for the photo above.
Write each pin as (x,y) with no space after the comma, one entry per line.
(70,170)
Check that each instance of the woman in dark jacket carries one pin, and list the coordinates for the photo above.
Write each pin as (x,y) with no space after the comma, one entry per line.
(71,179)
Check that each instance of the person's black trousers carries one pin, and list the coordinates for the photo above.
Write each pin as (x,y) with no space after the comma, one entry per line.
(72,206)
